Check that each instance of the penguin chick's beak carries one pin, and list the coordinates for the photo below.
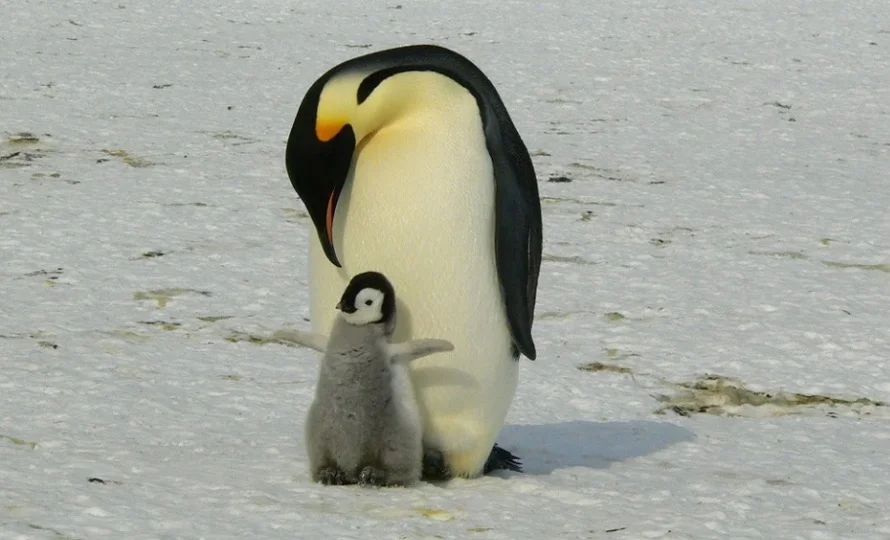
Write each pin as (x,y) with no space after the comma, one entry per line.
(345,309)
(318,159)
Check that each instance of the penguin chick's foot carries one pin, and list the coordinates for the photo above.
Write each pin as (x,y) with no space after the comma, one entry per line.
(500,459)
(371,476)
(331,476)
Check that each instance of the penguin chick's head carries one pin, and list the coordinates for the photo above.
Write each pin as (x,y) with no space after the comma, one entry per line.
(368,299)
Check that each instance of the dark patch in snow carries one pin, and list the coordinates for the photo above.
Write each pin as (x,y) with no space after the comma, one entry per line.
(257,339)
(551,200)
(879,267)
(794,255)
(723,396)
(50,274)
(23,137)
(599,366)
(198,204)
(152,254)
(562,259)
(163,325)
(162,296)
(19,442)
(214,318)
(559,179)
(129,159)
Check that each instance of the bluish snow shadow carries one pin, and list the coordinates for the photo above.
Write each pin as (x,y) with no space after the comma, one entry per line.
(548,447)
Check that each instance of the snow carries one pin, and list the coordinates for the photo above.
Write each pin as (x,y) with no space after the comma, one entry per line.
(726,218)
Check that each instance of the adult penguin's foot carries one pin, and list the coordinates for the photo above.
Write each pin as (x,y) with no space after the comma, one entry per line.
(434,467)
(436,470)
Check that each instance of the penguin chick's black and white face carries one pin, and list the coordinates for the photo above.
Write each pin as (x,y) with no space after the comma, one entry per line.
(368,299)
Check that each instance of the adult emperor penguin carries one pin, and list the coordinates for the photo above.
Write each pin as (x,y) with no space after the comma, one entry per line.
(408,163)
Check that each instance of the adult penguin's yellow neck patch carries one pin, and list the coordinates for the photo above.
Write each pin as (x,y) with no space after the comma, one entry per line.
(337,106)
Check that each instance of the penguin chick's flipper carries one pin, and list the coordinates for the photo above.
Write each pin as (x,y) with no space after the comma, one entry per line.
(314,341)
(412,350)
(500,459)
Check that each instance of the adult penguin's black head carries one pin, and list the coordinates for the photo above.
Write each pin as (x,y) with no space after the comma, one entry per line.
(351,102)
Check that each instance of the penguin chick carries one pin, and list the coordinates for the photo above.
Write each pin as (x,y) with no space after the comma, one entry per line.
(364,425)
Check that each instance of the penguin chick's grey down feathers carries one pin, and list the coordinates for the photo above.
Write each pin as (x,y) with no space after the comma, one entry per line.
(364,425)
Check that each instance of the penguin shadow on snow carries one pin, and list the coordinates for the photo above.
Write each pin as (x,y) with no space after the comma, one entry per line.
(596,445)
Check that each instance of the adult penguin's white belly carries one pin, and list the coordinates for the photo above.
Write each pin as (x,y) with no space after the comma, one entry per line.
(418,206)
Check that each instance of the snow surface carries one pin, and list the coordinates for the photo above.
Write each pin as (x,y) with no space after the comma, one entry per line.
(727,215)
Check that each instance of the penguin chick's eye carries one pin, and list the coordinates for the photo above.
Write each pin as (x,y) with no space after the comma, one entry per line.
(368,297)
